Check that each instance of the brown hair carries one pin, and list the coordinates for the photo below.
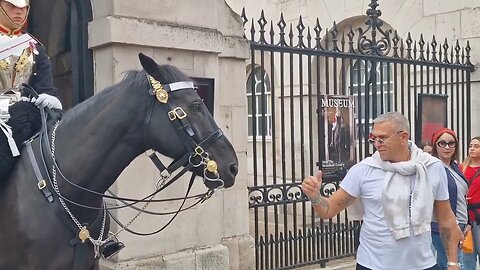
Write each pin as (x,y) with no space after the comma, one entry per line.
(468,159)
(437,135)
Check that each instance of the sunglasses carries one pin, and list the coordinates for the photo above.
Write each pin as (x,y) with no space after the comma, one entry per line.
(444,144)
(381,141)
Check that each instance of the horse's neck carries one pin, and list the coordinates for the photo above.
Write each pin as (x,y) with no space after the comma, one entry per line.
(95,143)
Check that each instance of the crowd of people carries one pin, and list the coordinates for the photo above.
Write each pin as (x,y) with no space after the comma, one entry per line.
(418,203)
(464,193)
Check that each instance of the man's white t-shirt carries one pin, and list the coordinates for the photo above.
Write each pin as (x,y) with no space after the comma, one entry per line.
(378,249)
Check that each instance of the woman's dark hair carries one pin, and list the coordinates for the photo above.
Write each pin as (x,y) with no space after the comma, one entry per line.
(422,146)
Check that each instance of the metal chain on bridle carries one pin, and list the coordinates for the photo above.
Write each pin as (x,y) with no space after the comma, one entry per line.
(195,157)
(84,234)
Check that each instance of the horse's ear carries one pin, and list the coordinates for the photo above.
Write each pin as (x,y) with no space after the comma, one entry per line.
(148,64)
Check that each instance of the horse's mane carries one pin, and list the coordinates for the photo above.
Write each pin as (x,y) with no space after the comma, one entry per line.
(133,79)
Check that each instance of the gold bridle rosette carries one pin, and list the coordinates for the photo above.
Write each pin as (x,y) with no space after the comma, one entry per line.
(160,92)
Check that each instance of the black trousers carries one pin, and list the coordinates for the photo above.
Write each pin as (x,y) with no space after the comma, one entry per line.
(359,267)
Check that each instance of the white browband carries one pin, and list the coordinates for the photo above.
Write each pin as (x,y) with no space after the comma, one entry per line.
(180,85)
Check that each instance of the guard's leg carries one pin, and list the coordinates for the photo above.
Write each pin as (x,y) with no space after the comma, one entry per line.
(24,122)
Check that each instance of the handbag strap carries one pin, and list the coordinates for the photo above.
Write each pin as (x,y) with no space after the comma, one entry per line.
(477,173)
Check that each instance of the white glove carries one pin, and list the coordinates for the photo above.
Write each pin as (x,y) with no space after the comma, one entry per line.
(25,99)
(45,100)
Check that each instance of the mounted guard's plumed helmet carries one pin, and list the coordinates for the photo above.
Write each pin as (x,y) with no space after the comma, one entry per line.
(19,3)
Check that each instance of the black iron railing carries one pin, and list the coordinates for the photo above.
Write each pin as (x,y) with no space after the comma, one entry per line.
(291,134)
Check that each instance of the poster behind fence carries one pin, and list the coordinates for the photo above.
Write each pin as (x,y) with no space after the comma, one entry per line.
(432,116)
(338,113)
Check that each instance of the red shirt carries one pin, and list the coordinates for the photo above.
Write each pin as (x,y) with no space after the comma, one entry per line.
(473,195)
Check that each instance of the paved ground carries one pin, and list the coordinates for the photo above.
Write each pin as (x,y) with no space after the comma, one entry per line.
(341,264)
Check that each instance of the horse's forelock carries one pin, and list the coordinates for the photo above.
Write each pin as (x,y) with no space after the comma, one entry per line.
(134,78)
(166,74)
(170,74)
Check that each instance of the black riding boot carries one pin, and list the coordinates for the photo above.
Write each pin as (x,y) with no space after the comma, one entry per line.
(25,122)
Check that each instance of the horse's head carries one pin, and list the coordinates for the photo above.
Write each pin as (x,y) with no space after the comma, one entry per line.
(191,134)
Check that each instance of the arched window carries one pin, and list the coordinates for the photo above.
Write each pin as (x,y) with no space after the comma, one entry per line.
(259,90)
(361,78)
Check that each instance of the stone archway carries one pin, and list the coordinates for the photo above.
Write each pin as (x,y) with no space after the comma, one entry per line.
(61,25)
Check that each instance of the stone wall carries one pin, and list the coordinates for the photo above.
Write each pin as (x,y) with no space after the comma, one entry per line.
(212,235)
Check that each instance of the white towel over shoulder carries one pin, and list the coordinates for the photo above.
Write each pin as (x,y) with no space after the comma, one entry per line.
(403,204)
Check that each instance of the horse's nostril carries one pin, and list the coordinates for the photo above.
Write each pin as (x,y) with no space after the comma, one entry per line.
(234,169)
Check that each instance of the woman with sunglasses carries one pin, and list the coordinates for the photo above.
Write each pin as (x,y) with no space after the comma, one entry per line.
(471,169)
(444,142)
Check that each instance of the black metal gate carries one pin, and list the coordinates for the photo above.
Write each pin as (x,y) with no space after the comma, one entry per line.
(291,68)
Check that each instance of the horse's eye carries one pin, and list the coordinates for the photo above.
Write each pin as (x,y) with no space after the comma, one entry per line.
(196,106)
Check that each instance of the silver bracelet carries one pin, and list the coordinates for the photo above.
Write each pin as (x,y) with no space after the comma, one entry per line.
(316,200)
(456,264)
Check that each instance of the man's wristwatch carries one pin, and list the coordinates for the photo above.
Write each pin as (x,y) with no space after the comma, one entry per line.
(456,264)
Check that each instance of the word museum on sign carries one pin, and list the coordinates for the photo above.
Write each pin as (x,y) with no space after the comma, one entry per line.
(338,103)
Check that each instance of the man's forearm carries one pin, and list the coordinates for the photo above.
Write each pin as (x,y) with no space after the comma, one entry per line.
(446,236)
(451,237)
(329,207)
(322,207)
(450,232)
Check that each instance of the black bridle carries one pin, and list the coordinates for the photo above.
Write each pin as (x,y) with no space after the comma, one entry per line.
(195,155)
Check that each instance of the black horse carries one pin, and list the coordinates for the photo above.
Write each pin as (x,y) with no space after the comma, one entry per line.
(92,144)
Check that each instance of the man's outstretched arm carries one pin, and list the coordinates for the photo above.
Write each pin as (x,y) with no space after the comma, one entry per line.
(325,207)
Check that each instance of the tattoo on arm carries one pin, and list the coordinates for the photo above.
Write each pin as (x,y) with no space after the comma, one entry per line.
(346,201)
(324,209)
(445,235)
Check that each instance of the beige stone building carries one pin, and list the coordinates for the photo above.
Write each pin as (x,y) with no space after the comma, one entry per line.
(92,43)
(203,39)
(446,20)
(453,20)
